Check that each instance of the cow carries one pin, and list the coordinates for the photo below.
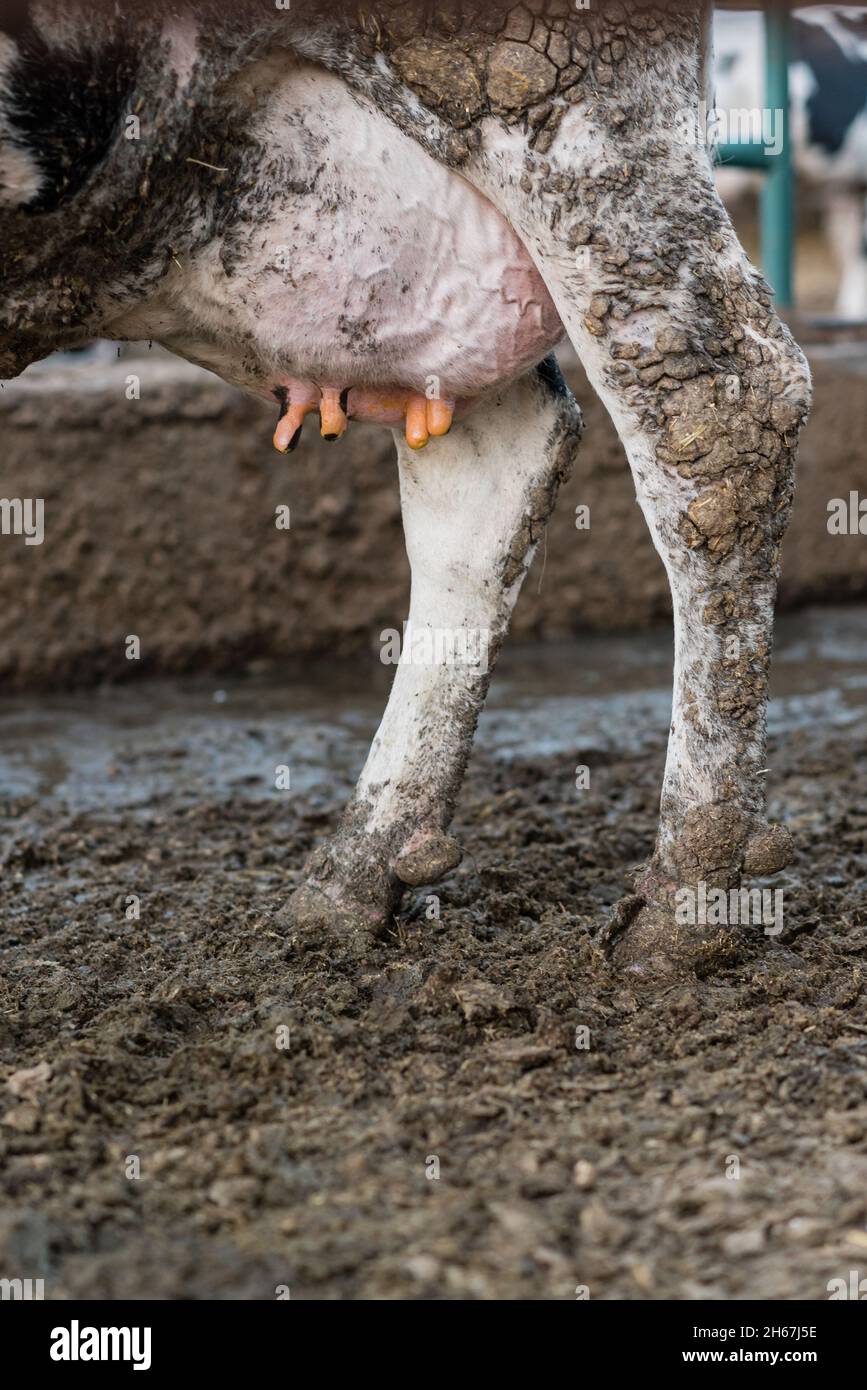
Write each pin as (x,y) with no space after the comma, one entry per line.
(828,90)
(392,212)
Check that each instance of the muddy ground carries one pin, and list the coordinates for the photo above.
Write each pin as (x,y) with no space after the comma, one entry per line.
(608,1167)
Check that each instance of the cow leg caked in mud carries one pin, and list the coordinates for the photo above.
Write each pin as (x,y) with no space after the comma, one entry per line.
(708,392)
(474,511)
(569,128)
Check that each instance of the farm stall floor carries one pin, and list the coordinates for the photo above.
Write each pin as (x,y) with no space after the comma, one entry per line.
(452,1046)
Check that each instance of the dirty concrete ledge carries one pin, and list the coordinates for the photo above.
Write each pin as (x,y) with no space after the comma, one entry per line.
(160,522)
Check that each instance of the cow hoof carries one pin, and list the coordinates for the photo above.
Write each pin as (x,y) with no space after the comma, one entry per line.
(427,858)
(645,940)
(312,918)
(768,851)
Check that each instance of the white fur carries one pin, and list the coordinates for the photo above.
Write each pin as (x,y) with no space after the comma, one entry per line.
(20,179)
(463,499)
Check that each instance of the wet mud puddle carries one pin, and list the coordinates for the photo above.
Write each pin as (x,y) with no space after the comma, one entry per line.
(187,739)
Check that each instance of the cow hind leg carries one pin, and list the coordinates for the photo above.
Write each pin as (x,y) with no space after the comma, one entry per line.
(474,503)
(846,226)
(708,392)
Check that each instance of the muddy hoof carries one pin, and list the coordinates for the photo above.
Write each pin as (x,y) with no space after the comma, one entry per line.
(645,939)
(312,918)
(428,860)
(768,851)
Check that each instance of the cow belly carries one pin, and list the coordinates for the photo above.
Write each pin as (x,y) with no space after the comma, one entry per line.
(358,261)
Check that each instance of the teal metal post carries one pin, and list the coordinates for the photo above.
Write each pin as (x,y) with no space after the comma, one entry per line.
(778,202)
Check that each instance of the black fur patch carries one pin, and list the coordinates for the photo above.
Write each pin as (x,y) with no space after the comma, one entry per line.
(841,85)
(549,372)
(64,108)
(14,17)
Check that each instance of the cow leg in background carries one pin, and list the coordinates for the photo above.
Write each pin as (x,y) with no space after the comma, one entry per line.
(475,503)
(708,392)
(846,227)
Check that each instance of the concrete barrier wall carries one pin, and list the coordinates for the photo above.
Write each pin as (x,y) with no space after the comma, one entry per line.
(160,522)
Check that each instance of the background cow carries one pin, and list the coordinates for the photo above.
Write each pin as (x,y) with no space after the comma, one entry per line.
(828,87)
